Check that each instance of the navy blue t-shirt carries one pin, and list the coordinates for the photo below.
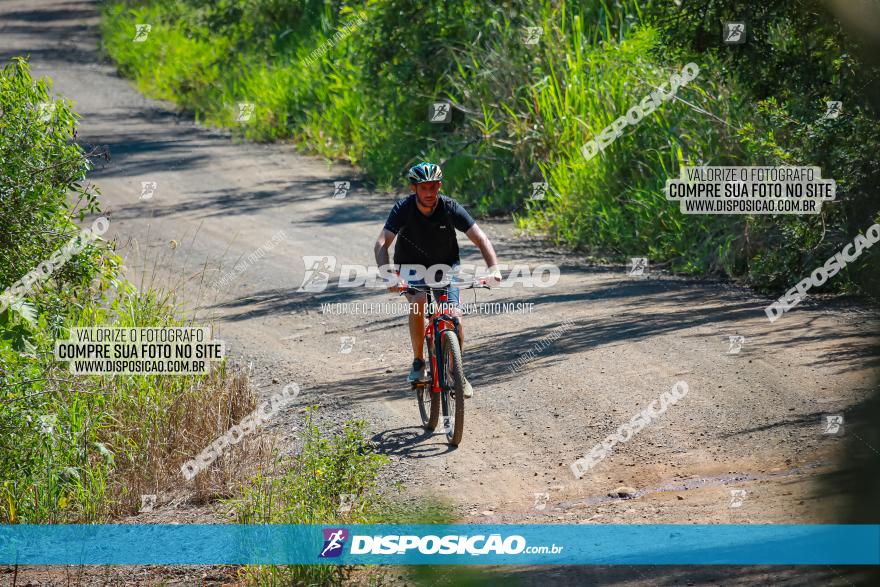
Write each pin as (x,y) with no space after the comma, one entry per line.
(427,240)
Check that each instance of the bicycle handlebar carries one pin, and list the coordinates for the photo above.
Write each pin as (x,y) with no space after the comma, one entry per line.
(413,288)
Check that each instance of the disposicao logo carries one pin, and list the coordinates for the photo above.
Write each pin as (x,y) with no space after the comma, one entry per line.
(334,540)
(474,545)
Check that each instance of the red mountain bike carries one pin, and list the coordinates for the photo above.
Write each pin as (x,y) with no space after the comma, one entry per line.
(443,392)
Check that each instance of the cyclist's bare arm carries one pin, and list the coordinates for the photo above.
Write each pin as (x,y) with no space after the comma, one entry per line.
(380,250)
(479,238)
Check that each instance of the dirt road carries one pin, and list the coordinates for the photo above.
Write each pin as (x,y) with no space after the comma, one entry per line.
(753,420)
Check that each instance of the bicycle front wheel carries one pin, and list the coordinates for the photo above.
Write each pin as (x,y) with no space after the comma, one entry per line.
(429,402)
(453,394)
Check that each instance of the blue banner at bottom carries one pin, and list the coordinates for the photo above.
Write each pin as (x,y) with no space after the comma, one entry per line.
(517,544)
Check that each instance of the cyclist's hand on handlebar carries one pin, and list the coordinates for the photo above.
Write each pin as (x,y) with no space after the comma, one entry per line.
(396,285)
(494,278)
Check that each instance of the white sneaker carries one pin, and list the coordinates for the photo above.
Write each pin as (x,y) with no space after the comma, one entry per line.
(419,372)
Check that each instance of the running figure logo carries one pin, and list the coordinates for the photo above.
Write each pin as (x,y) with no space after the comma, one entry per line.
(141,32)
(245,111)
(440,112)
(638,266)
(334,540)
(736,344)
(46,110)
(541,499)
(539,190)
(346,344)
(833,109)
(148,503)
(340,189)
(737,496)
(148,188)
(833,423)
(47,424)
(318,271)
(734,33)
(345,502)
(532,34)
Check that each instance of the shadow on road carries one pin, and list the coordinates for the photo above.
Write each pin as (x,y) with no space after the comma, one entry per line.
(412,442)
(646,309)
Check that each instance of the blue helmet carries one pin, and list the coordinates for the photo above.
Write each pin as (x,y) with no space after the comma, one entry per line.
(424,171)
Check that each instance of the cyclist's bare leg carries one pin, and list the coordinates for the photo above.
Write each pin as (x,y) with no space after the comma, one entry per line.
(417,325)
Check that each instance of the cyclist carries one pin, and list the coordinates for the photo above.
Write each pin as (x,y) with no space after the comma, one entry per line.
(426,223)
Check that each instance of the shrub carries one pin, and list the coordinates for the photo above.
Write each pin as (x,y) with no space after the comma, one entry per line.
(329,472)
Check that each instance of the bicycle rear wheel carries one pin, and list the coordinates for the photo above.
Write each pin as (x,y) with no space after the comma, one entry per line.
(429,403)
(453,395)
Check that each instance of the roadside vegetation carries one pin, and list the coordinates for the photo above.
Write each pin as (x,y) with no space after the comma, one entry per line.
(332,480)
(73,448)
(84,449)
(354,80)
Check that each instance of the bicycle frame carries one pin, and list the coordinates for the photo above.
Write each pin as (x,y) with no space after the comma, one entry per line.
(442,322)
(438,323)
